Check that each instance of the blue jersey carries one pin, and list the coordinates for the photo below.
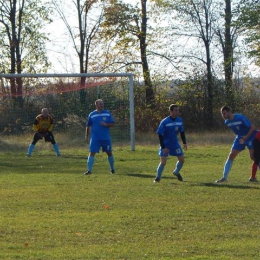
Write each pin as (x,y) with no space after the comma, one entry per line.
(169,128)
(99,132)
(240,125)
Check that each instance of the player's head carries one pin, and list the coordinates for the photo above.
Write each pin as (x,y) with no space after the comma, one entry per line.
(174,110)
(45,112)
(99,104)
(226,112)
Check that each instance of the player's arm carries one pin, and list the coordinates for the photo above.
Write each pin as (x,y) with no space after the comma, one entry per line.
(183,138)
(163,147)
(251,130)
(87,133)
(110,123)
(36,125)
(161,141)
(107,124)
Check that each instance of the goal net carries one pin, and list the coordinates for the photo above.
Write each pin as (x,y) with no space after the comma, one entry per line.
(69,99)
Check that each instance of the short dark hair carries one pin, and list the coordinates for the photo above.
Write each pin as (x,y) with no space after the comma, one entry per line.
(226,108)
(172,106)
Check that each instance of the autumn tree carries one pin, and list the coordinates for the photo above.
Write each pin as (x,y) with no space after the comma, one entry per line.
(227,32)
(249,20)
(127,25)
(22,40)
(82,25)
(195,20)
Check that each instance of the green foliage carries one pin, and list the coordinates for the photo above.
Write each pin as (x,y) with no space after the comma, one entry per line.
(249,21)
(70,115)
(24,25)
(50,210)
(191,96)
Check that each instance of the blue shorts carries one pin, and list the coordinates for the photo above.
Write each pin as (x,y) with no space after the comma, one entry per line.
(177,151)
(94,145)
(240,147)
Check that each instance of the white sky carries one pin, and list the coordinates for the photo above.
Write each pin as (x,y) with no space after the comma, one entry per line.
(61,53)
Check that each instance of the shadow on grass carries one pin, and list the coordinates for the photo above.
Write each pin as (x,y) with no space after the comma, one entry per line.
(217,185)
(84,157)
(139,175)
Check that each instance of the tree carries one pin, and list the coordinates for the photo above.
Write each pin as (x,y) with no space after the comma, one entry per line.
(128,25)
(89,16)
(249,20)
(22,40)
(195,19)
(228,48)
(227,36)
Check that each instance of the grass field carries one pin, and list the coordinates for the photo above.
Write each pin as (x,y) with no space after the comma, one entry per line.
(50,210)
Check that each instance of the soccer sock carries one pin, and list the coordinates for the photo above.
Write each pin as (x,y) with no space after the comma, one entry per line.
(254,169)
(227,168)
(30,149)
(159,171)
(111,161)
(56,148)
(90,162)
(177,168)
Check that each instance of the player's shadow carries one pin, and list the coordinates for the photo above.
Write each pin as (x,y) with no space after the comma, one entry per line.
(229,186)
(138,175)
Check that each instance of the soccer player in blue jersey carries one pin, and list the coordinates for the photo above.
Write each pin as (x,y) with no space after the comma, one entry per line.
(168,131)
(98,123)
(245,134)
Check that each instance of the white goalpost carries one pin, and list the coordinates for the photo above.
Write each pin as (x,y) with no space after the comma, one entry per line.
(128,76)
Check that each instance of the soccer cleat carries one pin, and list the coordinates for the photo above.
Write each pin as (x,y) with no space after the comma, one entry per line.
(221,180)
(112,171)
(251,179)
(28,155)
(87,173)
(156,180)
(178,176)
(58,155)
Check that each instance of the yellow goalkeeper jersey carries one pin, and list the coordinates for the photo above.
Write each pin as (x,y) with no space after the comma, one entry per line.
(42,124)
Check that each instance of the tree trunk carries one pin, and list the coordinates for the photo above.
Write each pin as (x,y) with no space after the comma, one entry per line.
(228,56)
(209,110)
(145,66)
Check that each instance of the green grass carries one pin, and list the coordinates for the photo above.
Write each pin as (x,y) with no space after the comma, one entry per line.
(50,210)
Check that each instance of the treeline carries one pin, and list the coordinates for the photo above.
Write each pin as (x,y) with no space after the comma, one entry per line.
(70,114)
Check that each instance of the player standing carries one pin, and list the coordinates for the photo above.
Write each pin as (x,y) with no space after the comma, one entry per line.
(43,126)
(245,133)
(168,131)
(98,123)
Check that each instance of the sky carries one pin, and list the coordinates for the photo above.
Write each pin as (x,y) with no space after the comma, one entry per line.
(61,52)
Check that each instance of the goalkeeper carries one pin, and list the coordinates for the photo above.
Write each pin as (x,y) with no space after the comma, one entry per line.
(42,127)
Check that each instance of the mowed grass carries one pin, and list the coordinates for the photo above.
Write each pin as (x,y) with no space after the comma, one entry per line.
(50,210)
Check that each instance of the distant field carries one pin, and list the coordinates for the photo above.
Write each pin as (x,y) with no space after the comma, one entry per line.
(50,210)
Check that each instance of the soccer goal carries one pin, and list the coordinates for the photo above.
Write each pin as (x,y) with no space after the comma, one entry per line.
(69,98)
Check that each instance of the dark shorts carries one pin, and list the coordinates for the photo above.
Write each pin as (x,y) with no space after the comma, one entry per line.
(256,145)
(48,137)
